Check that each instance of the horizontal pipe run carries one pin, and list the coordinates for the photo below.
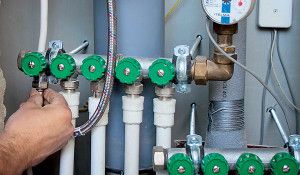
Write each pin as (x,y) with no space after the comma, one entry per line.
(83,46)
(145,62)
(232,155)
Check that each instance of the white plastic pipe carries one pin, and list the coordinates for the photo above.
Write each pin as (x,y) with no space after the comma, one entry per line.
(67,153)
(164,111)
(43,26)
(132,117)
(98,139)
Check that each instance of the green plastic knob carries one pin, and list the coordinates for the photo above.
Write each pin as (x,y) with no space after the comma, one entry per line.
(284,164)
(249,164)
(33,64)
(161,72)
(128,70)
(214,163)
(93,67)
(62,66)
(180,164)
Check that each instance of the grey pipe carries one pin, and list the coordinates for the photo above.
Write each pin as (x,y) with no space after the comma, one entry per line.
(223,96)
(83,46)
(140,32)
(279,125)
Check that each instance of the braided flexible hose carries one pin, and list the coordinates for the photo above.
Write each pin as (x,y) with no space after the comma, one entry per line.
(109,81)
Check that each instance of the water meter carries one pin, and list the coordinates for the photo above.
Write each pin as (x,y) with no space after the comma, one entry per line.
(227,12)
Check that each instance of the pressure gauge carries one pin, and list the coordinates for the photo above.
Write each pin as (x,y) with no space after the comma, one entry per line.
(227,12)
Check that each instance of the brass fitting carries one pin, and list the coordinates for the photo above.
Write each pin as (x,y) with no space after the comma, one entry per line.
(219,68)
(204,70)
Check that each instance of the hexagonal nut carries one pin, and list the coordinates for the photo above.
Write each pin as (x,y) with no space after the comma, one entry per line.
(21,55)
(70,84)
(97,86)
(159,158)
(167,91)
(225,29)
(134,89)
(199,70)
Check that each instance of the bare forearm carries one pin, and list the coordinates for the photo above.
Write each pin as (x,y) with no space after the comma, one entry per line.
(12,157)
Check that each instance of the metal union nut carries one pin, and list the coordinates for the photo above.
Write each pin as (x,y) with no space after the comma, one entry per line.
(70,84)
(159,158)
(199,70)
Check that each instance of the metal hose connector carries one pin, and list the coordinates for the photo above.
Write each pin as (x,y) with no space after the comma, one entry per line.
(226,115)
(109,81)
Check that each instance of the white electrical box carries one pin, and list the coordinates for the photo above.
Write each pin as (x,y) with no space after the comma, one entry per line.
(275,13)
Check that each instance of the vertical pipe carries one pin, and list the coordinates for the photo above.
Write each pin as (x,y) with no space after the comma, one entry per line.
(98,134)
(164,110)
(67,153)
(141,35)
(229,95)
(132,106)
(43,26)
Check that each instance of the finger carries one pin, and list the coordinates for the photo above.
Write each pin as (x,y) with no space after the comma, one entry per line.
(35,98)
(53,97)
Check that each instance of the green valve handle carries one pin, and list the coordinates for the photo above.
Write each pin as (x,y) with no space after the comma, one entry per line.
(249,164)
(180,164)
(214,164)
(93,67)
(62,66)
(284,164)
(128,70)
(161,72)
(33,64)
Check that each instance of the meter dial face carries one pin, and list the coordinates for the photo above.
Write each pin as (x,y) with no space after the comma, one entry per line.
(228,12)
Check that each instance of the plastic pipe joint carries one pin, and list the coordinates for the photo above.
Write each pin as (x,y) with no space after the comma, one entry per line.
(284,164)
(249,164)
(215,164)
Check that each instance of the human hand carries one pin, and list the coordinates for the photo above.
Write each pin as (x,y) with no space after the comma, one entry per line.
(36,131)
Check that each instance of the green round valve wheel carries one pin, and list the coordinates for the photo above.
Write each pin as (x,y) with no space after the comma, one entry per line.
(284,164)
(161,72)
(128,70)
(180,164)
(33,64)
(63,66)
(249,164)
(214,164)
(93,67)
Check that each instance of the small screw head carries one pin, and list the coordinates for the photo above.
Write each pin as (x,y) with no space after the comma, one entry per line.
(55,46)
(61,67)
(126,71)
(181,51)
(181,169)
(251,169)
(216,169)
(92,68)
(31,64)
(285,168)
(160,72)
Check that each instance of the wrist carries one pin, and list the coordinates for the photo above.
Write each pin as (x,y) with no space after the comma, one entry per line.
(13,157)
